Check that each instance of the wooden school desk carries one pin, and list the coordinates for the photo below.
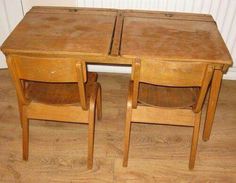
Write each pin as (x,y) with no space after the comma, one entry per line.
(110,36)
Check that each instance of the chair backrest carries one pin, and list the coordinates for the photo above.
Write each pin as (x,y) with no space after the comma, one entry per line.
(173,74)
(48,70)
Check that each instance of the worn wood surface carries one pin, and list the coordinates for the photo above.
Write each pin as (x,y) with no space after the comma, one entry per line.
(172,74)
(63,32)
(57,93)
(168,39)
(167,96)
(159,153)
(98,34)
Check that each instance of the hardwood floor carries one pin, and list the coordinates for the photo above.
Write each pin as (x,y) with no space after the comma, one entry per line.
(158,153)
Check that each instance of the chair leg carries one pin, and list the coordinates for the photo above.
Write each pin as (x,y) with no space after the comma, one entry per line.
(90,140)
(25,136)
(194,140)
(99,103)
(20,112)
(127,138)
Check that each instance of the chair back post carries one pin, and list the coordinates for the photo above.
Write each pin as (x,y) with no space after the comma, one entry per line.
(203,90)
(135,77)
(81,71)
(16,80)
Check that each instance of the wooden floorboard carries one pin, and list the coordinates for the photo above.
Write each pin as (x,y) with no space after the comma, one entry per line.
(158,153)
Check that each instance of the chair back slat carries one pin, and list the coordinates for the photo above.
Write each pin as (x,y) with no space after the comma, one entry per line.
(47,69)
(169,73)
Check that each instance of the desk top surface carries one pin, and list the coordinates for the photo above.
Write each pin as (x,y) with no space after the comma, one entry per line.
(119,33)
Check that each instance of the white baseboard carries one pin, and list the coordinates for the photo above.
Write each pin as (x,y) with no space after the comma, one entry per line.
(231,74)
(109,68)
(2,61)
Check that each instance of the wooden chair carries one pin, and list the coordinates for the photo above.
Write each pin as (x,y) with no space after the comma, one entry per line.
(55,89)
(167,93)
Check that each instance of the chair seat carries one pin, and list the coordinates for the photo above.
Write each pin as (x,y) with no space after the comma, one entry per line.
(57,93)
(174,97)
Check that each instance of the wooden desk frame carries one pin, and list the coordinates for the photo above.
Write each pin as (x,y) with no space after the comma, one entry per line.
(114,55)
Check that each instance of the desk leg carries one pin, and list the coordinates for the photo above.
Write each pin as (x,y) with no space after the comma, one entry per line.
(211,108)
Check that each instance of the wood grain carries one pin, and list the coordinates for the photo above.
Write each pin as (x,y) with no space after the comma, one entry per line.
(172,73)
(160,115)
(167,96)
(58,151)
(102,35)
(169,39)
(63,32)
(214,91)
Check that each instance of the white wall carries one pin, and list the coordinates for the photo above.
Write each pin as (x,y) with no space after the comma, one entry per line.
(223,11)
(10,14)
(29,3)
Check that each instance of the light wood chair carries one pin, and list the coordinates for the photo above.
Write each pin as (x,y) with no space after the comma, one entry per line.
(169,93)
(57,89)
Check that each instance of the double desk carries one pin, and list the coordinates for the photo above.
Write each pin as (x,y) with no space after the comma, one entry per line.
(117,37)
